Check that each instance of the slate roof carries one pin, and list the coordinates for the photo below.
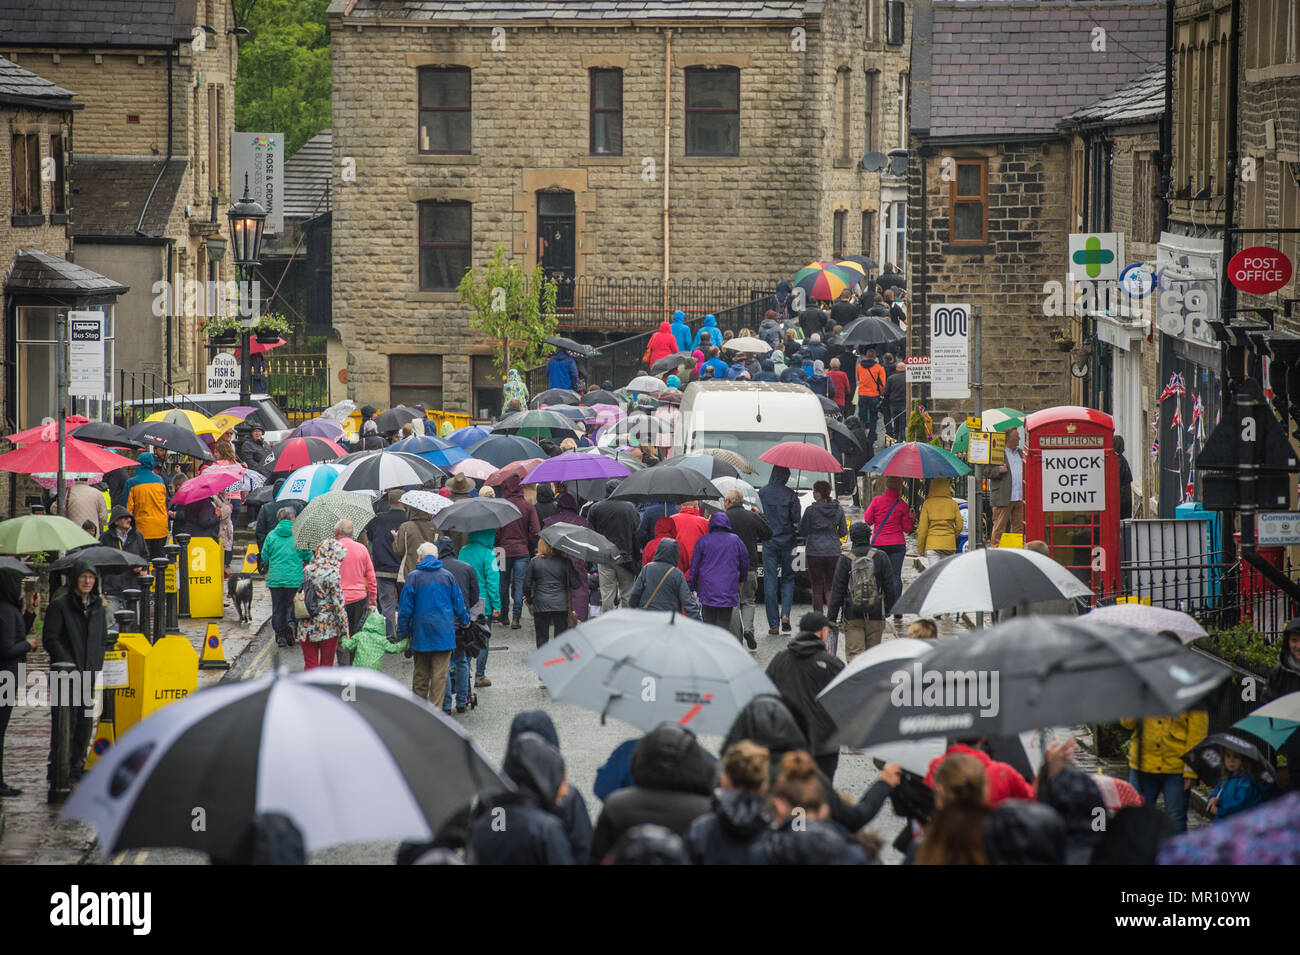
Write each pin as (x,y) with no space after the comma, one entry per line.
(109,192)
(307,177)
(35,271)
(24,88)
(579,9)
(85,23)
(1142,99)
(1004,68)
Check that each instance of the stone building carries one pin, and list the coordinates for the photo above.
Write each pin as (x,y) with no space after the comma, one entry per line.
(150,175)
(655,139)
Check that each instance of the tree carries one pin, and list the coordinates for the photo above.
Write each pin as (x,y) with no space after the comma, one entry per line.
(512,307)
(283,84)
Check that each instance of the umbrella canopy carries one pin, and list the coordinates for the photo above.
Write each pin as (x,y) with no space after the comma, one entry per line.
(261,496)
(868,264)
(748,492)
(709,465)
(645,428)
(225,422)
(386,469)
(993,419)
(350,754)
(518,469)
(35,533)
(425,501)
(1151,619)
(858,270)
(569,345)
(870,331)
(210,482)
(1267,835)
(645,384)
(318,428)
(734,458)
(576,466)
(239,411)
(437,451)
(78,457)
(1274,722)
(748,345)
(258,348)
(309,482)
(840,431)
(1206,759)
(103,433)
(1032,672)
(394,418)
(502,449)
(823,283)
(474,514)
(49,431)
(580,413)
(315,522)
(916,459)
(97,556)
(537,424)
(801,456)
(246,479)
(829,407)
(672,485)
(474,468)
(702,676)
(15,566)
(581,542)
(464,437)
(852,685)
(673,362)
(600,397)
(294,453)
(555,396)
(988,579)
(196,422)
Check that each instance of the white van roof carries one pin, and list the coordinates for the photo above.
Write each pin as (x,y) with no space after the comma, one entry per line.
(730,398)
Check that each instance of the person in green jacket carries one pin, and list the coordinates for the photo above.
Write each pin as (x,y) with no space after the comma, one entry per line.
(371,642)
(281,561)
(480,554)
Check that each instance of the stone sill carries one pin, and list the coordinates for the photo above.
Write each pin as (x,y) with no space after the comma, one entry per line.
(710,161)
(448,296)
(968,250)
(843,164)
(445,159)
(58,218)
(603,161)
(19,222)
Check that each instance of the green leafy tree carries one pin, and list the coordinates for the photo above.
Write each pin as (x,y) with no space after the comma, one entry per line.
(512,307)
(283,84)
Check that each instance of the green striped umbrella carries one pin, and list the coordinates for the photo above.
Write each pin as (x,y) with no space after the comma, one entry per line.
(35,533)
(316,521)
(994,419)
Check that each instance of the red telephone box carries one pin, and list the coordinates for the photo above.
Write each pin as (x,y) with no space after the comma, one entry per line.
(1072,492)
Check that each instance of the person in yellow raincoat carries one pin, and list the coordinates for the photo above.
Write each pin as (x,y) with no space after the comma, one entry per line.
(940,522)
(1155,759)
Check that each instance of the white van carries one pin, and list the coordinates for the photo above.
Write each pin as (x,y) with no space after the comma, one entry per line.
(749,417)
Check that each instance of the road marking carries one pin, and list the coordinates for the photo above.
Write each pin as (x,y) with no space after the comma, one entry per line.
(259,662)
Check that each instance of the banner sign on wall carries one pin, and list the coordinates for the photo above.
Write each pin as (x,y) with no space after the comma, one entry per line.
(261,157)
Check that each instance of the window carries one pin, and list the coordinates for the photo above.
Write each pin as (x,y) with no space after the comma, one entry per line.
(214,135)
(37,386)
(415,379)
(59,187)
(1220,121)
(444,110)
(894,249)
(844,96)
(444,245)
(487,386)
(26,174)
(868,230)
(1144,197)
(869,133)
(713,111)
(839,221)
(902,110)
(1183,152)
(968,203)
(894,26)
(606,113)
(1205,59)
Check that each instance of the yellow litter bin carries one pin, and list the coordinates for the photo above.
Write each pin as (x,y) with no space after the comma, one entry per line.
(206,565)
(157,675)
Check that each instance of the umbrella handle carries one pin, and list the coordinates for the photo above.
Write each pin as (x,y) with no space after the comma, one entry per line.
(615,695)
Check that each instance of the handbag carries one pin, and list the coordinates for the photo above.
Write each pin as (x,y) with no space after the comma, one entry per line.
(300,607)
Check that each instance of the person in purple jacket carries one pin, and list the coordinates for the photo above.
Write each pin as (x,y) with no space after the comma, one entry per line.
(719,567)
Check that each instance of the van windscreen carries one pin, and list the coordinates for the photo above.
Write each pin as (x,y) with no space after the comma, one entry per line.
(751,444)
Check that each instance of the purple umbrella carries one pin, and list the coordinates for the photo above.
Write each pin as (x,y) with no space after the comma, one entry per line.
(576,466)
(318,428)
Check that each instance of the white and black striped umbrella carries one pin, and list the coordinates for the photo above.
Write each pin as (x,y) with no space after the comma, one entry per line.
(988,579)
(384,470)
(348,754)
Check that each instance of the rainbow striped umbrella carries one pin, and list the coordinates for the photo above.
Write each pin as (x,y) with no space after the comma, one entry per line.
(995,419)
(824,283)
(916,460)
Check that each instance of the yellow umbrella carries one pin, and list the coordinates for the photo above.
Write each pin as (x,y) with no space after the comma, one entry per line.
(190,420)
(224,422)
(854,267)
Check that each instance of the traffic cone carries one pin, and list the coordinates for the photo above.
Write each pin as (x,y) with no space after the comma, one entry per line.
(249,566)
(105,737)
(213,656)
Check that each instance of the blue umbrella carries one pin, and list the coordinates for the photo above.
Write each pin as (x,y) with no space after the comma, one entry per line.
(433,449)
(915,459)
(309,482)
(503,449)
(468,435)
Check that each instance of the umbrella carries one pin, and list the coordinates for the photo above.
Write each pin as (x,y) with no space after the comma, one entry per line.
(350,754)
(734,458)
(246,479)
(1032,672)
(576,466)
(840,430)
(988,579)
(502,449)
(474,514)
(1116,794)
(1274,722)
(258,348)
(1207,762)
(518,469)
(748,492)
(437,451)
(600,397)
(672,485)
(994,419)
(829,407)
(673,362)
(464,437)
(316,521)
(184,418)
(857,269)
(707,464)
(555,396)
(97,556)
(916,459)
(260,496)
(386,469)
(16,566)
(318,428)
(853,685)
(35,533)
(308,482)
(474,468)
(748,345)
(1266,835)
(294,453)
(870,331)
(49,431)
(643,427)
(394,418)
(823,283)
(702,677)
(580,413)
(239,411)
(536,424)
(101,432)
(581,542)
(78,456)
(569,345)
(1151,619)
(225,422)
(426,502)
(210,482)
(868,264)
(801,456)
(645,384)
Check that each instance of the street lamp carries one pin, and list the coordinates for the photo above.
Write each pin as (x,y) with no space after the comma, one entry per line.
(246,219)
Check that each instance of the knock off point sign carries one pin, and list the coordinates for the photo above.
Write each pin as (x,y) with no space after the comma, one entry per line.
(1074,480)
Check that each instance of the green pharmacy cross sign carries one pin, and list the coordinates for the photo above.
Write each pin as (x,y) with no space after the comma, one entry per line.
(1095,256)
(1092,257)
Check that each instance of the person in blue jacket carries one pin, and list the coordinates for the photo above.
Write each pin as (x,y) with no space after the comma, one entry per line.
(562,371)
(717,364)
(681,331)
(711,326)
(431,608)
(1238,790)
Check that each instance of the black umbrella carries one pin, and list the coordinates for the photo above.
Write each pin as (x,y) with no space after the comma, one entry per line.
(555,396)
(865,261)
(262,495)
(870,331)
(581,542)
(828,406)
(14,565)
(673,485)
(99,557)
(103,432)
(671,362)
(1206,759)
(601,397)
(503,449)
(394,418)
(169,437)
(569,345)
(476,514)
(1028,673)
(841,431)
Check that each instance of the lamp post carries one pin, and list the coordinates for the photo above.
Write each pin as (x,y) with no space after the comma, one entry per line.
(246,219)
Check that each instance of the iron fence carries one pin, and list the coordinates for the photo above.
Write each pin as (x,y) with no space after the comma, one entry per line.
(299,384)
(636,304)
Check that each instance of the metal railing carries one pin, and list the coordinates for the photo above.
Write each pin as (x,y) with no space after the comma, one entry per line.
(299,384)
(631,304)
(150,389)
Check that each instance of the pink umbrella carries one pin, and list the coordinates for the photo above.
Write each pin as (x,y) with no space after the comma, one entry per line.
(257,348)
(210,482)
(801,456)
(474,468)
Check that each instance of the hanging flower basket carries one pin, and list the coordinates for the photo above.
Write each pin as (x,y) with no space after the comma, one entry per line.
(223,338)
(271,327)
(266,338)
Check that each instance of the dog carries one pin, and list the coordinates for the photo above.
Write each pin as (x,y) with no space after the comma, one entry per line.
(240,589)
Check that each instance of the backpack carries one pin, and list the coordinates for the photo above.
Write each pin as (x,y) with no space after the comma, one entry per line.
(864,590)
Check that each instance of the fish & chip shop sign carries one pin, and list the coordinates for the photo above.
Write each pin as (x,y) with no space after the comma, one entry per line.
(223,375)
(1074,480)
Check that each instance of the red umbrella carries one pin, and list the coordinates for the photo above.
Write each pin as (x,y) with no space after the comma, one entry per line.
(257,347)
(46,432)
(299,452)
(801,456)
(520,468)
(43,457)
(210,482)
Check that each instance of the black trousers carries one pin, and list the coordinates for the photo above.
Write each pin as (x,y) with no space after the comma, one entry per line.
(155,545)
(282,612)
(549,622)
(718,616)
(356,612)
(5,713)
